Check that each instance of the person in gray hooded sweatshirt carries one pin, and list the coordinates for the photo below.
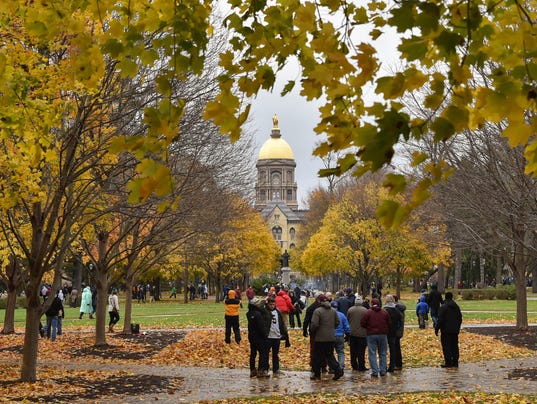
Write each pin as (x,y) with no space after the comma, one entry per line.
(357,339)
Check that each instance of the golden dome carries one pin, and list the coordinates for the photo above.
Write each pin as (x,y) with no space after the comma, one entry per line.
(276,148)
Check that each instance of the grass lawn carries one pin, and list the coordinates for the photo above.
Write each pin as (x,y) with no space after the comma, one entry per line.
(205,313)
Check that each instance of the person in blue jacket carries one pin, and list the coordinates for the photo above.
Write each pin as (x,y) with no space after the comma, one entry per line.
(422,311)
(342,333)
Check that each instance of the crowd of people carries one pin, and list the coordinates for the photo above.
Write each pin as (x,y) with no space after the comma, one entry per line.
(331,321)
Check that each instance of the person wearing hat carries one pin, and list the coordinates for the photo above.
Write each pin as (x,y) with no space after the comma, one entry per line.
(113,309)
(257,337)
(357,339)
(449,323)
(231,317)
(324,322)
(306,324)
(376,321)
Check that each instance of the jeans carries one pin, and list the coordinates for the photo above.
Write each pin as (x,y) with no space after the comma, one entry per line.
(274,344)
(434,315)
(52,327)
(339,346)
(377,343)
(357,348)
(59,325)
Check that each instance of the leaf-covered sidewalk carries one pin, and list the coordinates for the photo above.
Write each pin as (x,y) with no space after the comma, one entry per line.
(164,366)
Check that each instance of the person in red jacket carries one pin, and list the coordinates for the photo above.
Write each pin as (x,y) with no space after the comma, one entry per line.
(284,305)
(376,321)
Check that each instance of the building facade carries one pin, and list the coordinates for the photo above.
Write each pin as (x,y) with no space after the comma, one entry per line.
(276,190)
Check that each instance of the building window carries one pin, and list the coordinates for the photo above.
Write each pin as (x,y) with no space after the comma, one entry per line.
(289,176)
(276,217)
(276,179)
(277,233)
(263,195)
(289,194)
(292,233)
(292,245)
(276,195)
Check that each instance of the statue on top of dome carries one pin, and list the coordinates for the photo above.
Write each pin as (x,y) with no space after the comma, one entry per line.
(275,121)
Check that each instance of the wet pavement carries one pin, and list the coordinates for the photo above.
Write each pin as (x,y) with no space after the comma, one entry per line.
(213,384)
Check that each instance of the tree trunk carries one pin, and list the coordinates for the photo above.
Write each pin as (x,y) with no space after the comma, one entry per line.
(31,334)
(519,273)
(129,283)
(77,273)
(534,280)
(102,311)
(9,315)
(441,278)
(13,280)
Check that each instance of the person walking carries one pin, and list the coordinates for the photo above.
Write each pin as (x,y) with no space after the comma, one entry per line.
(341,333)
(376,321)
(113,309)
(358,334)
(324,322)
(395,321)
(284,304)
(54,311)
(231,317)
(258,330)
(298,307)
(86,306)
(398,361)
(277,332)
(422,311)
(434,300)
(449,324)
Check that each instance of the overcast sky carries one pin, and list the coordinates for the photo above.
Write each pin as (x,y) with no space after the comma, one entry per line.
(296,119)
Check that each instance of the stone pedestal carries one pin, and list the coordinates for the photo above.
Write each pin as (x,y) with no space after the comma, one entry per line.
(286,277)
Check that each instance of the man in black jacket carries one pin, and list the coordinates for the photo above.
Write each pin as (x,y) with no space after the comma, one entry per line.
(434,300)
(54,311)
(257,337)
(449,323)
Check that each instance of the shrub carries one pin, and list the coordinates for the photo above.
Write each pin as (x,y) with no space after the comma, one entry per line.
(500,293)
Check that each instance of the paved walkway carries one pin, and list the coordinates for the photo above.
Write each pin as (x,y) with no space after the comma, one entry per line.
(212,384)
(201,384)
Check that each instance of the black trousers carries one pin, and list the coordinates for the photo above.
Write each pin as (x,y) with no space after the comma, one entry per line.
(232,322)
(324,350)
(450,348)
(357,347)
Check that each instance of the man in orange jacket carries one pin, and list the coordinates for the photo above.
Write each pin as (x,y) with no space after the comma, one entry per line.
(231,316)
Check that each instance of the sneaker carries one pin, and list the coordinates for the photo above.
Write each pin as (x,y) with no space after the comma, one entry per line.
(253,373)
(314,376)
(374,375)
(263,373)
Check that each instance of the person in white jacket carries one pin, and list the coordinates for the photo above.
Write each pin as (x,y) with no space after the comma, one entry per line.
(113,309)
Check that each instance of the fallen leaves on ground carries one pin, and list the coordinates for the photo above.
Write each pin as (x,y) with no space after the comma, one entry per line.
(420,348)
(407,398)
(206,348)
